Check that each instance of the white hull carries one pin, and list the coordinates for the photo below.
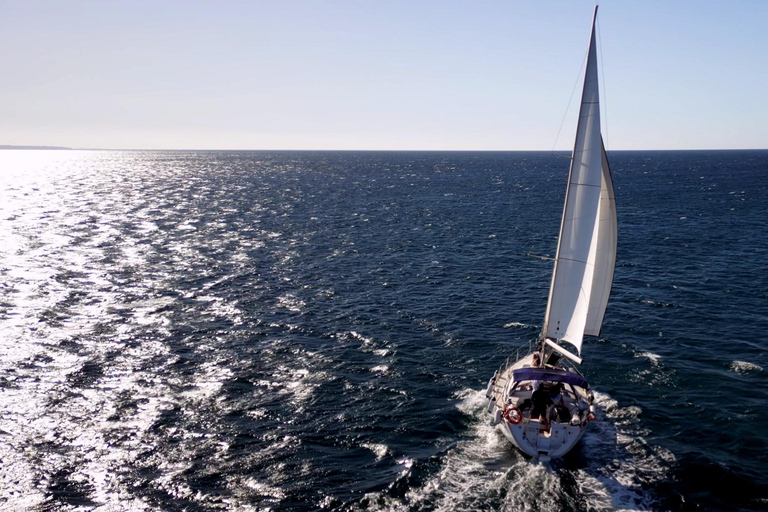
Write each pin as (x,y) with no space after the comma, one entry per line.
(529,438)
(533,436)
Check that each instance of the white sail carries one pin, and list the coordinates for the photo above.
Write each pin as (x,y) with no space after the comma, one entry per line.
(605,261)
(586,250)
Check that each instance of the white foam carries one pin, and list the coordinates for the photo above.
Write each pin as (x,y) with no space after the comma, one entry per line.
(653,358)
(356,335)
(378,449)
(745,366)
(483,471)
(619,458)
(519,325)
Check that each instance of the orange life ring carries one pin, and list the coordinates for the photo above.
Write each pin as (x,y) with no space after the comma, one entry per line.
(513,415)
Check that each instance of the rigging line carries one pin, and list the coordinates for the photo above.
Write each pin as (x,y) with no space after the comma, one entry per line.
(602,82)
(575,84)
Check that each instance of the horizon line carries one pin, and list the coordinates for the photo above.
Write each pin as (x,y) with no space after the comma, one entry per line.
(22,147)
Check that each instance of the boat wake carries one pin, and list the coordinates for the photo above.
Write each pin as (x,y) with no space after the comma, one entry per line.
(482,471)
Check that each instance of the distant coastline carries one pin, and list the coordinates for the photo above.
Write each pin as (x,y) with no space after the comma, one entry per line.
(3,146)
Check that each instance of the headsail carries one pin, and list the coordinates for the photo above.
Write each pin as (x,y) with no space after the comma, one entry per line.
(586,250)
(605,261)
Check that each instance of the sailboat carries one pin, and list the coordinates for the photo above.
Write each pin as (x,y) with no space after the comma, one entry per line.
(542,403)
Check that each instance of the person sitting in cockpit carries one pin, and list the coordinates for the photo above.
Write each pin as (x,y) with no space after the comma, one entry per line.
(558,411)
(541,402)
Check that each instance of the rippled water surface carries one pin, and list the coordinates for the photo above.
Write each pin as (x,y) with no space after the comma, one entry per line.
(303,331)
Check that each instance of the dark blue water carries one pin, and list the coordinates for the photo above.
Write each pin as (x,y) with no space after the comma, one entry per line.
(314,330)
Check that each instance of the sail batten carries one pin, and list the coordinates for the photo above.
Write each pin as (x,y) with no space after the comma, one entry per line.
(586,250)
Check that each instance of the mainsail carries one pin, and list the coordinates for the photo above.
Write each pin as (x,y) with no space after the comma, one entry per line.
(586,249)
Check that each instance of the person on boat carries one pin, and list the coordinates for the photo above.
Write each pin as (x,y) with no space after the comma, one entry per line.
(535,363)
(558,411)
(541,402)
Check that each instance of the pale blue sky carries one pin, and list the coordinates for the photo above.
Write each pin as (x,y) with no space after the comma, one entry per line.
(344,74)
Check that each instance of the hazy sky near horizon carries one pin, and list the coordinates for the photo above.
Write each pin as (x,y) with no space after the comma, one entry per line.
(345,74)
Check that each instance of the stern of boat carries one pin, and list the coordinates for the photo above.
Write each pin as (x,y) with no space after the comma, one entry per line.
(530,435)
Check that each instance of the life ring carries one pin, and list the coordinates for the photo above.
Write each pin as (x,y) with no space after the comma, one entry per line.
(513,415)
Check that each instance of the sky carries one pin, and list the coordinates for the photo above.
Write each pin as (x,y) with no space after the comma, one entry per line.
(386,74)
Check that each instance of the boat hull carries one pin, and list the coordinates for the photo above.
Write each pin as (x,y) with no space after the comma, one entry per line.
(509,393)
(529,438)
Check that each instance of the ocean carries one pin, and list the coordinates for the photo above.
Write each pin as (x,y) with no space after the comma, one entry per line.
(296,331)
